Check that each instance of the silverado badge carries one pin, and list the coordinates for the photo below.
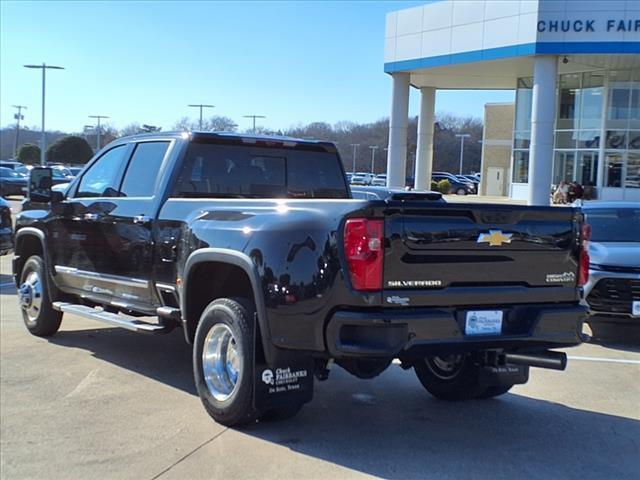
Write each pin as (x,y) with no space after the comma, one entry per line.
(495,238)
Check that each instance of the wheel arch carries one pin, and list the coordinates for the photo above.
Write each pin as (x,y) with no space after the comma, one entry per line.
(28,241)
(227,264)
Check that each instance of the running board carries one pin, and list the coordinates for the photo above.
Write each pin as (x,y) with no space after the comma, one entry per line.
(114,319)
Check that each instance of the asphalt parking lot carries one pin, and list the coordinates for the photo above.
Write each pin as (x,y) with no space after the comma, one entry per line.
(96,402)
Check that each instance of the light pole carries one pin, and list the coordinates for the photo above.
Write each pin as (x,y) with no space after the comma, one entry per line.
(18,116)
(254,120)
(201,106)
(373,156)
(98,129)
(462,136)
(43,143)
(355,150)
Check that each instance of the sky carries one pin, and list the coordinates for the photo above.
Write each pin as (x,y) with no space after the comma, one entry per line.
(294,62)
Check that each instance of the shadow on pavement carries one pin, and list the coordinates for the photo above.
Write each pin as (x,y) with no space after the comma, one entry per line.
(390,427)
(619,333)
(164,358)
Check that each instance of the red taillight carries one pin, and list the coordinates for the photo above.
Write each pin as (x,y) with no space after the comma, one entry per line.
(364,251)
(583,259)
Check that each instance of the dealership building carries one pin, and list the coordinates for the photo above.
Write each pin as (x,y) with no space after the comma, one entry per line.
(575,68)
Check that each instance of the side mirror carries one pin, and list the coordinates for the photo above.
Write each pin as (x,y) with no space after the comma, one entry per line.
(40,182)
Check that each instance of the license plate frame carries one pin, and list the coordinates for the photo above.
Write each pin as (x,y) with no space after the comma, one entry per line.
(483,322)
(635,308)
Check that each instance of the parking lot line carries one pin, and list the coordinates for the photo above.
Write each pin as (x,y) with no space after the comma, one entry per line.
(607,360)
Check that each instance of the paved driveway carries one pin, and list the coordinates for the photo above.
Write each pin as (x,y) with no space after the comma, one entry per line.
(95,402)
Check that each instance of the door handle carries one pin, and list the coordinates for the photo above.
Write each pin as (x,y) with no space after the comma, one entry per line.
(141,219)
(92,217)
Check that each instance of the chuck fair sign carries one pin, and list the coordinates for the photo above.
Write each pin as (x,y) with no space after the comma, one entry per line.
(589,25)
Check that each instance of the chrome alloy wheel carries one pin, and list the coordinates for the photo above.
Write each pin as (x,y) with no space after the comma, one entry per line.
(220,362)
(447,367)
(30,295)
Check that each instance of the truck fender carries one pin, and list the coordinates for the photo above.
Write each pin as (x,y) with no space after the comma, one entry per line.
(18,259)
(238,259)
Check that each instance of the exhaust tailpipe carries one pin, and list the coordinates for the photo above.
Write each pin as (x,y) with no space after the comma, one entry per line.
(548,359)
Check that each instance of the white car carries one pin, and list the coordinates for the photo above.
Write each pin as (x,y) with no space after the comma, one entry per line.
(361,178)
(380,180)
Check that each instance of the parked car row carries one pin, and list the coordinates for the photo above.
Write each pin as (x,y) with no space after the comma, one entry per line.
(460,184)
(12,182)
(14,177)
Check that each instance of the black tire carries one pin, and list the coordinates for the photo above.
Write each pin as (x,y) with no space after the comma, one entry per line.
(461,191)
(45,321)
(461,383)
(237,315)
(492,392)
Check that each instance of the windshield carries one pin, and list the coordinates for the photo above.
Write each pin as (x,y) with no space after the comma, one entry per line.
(238,171)
(614,224)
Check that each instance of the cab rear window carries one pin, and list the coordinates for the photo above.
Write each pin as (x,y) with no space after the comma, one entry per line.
(238,171)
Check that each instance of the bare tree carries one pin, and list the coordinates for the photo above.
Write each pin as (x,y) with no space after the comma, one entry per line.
(216,123)
(131,129)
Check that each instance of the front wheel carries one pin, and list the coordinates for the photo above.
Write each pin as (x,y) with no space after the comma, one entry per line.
(35,305)
(223,361)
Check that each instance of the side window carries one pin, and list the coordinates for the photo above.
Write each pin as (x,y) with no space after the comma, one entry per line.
(142,172)
(103,178)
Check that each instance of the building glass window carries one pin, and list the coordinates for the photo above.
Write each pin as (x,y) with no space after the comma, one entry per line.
(587,168)
(584,105)
(520,166)
(591,101)
(616,139)
(569,102)
(566,138)
(619,101)
(613,165)
(588,139)
(522,131)
(632,179)
(564,165)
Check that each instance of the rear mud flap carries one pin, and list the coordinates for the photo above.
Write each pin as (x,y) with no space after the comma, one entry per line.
(286,381)
(503,375)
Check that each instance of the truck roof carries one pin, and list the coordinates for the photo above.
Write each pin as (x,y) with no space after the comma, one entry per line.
(233,137)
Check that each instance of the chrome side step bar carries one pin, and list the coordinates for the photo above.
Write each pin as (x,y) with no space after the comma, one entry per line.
(114,319)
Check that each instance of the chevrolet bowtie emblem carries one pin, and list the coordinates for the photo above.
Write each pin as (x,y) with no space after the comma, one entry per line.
(495,238)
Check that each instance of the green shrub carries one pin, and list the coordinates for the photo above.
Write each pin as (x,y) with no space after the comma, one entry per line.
(70,149)
(434,186)
(29,154)
(444,186)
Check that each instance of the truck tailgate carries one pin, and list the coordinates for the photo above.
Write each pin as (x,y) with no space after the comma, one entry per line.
(449,254)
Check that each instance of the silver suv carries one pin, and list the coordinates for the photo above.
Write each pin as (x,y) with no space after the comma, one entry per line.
(613,289)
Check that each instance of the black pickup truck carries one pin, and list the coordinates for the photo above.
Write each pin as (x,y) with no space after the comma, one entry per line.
(255,248)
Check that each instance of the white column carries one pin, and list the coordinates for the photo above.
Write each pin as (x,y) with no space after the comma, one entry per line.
(543,113)
(398,123)
(424,153)
(603,135)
